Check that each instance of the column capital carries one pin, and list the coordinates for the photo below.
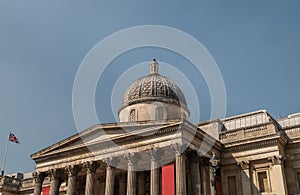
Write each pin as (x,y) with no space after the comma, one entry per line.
(38,176)
(155,154)
(111,161)
(72,170)
(91,166)
(55,174)
(179,148)
(244,164)
(276,159)
(132,158)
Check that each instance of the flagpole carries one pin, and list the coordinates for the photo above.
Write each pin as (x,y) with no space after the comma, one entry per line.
(5,154)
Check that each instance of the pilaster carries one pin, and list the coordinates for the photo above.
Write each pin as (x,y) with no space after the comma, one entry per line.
(245,176)
(279,183)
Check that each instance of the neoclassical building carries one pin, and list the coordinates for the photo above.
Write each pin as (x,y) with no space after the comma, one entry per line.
(154,149)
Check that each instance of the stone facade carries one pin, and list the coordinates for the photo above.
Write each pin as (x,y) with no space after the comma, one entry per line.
(258,154)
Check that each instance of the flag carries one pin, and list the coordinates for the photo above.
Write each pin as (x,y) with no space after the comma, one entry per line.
(13,138)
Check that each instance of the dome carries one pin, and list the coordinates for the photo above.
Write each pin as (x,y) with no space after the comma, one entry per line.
(154,88)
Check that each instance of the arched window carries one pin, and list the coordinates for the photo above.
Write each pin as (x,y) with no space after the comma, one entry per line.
(159,113)
(132,116)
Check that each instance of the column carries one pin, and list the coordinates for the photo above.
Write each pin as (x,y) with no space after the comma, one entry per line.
(180,168)
(91,169)
(245,177)
(155,156)
(111,163)
(55,177)
(205,177)
(132,159)
(72,171)
(38,182)
(122,184)
(279,183)
(195,173)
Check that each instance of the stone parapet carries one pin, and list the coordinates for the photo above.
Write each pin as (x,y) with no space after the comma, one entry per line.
(293,133)
(10,182)
(248,132)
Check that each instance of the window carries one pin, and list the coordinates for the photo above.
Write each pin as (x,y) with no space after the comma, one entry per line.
(263,181)
(132,116)
(159,113)
(232,185)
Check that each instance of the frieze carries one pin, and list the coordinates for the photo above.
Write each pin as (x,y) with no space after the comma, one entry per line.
(150,134)
(293,145)
(250,146)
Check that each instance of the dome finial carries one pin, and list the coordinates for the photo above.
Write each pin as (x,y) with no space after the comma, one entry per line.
(154,67)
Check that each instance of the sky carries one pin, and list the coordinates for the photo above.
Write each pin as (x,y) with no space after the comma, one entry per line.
(255,44)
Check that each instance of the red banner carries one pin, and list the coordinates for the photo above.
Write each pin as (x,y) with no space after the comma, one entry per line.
(168,180)
(219,186)
(46,190)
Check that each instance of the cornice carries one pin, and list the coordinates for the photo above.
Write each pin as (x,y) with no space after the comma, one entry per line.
(130,137)
(253,145)
(108,126)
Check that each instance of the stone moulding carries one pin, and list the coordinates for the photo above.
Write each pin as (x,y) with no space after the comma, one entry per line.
(260,130)
(252,146)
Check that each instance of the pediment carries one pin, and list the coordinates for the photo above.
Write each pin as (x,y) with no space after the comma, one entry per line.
(102,133)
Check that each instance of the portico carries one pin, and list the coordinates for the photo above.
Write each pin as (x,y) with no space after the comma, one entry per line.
(162,144)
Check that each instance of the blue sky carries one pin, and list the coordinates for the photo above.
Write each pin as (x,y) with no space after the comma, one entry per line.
(256,45)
